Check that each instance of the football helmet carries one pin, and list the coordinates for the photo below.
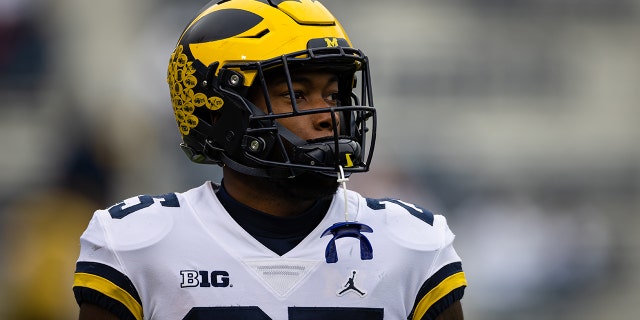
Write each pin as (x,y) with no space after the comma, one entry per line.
(228,48)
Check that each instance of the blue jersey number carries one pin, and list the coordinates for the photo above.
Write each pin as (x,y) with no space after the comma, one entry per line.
(295,313)
(118,211)
(416,211)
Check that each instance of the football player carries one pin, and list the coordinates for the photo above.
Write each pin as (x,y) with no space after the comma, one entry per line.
(274,93)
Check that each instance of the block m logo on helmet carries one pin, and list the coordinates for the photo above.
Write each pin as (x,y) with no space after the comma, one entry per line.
(331,42)
(327,42)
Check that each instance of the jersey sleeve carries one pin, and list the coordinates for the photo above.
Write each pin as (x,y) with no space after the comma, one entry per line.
(446,283)
(99,277)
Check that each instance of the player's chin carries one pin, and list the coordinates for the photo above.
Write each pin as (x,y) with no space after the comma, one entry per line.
(309,186)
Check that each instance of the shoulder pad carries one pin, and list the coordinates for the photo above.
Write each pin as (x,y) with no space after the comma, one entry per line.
(139,221)
(411,225)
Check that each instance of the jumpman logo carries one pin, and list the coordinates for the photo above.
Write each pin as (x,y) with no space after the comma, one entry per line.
(350,285)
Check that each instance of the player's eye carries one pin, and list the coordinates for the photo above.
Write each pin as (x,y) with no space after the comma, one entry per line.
(297,95)
(332,98)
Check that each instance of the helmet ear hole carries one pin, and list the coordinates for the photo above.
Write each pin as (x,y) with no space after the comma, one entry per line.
(214,117)
(205,115)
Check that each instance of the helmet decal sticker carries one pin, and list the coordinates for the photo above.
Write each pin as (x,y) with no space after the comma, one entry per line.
(328,42)
(182,80)
(331,42)
(349,163)
(215,103)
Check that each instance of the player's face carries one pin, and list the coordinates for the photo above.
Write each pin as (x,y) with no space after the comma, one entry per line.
(312,90)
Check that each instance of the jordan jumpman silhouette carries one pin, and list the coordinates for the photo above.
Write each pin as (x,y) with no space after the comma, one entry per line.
(350,285)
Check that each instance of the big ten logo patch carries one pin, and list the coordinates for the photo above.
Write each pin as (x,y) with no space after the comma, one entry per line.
(204,279)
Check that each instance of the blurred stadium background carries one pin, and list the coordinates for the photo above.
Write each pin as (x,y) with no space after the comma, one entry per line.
(517,119)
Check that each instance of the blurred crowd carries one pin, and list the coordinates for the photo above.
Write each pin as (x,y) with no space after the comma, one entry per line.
(514,119)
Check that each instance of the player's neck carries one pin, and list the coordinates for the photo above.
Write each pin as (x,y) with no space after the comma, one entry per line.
(261,197)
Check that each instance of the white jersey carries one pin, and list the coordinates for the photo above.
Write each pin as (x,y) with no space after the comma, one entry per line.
(181,256)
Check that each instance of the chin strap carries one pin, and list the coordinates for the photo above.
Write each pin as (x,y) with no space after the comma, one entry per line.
(342,180)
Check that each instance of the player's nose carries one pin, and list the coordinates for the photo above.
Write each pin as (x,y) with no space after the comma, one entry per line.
(325,122)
